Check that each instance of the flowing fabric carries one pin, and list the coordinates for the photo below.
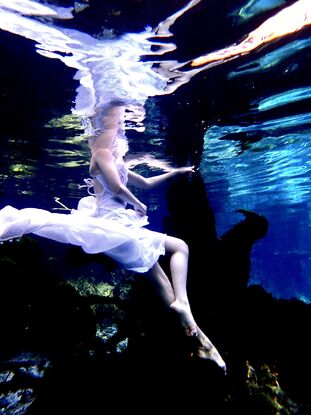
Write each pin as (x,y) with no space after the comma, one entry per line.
(100,224)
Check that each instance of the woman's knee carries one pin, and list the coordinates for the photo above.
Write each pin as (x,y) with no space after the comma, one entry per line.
(174,244)
(182,246)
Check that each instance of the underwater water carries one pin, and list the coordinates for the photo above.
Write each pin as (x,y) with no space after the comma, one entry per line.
(240,73)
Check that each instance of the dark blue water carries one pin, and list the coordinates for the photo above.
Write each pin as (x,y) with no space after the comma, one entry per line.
(251,114)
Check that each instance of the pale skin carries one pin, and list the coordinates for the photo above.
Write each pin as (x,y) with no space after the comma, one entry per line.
(173,290)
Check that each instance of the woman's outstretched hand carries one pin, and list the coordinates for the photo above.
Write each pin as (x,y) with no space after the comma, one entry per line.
(186,169)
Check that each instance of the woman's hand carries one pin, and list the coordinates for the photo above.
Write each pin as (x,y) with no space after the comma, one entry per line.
(140,208)
(182,170)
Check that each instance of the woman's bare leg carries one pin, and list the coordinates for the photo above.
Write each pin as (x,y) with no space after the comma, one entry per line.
(179,252)
(204,347)
(162,284)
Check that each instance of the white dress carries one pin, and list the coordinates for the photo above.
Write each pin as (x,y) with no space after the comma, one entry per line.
(100,224)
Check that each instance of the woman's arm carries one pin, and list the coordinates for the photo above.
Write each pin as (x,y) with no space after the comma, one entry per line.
(150,182)
(103,161)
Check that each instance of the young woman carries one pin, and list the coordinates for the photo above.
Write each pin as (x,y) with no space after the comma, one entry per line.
(104,223)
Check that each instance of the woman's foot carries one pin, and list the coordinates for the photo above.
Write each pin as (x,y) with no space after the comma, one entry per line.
(206,350)
(186,318)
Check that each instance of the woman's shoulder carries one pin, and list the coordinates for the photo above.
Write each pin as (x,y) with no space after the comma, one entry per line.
(100,157)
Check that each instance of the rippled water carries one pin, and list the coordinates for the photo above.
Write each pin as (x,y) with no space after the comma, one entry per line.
(270,176)
(254,95)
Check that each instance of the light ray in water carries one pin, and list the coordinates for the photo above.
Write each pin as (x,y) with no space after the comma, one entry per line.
(255,7)
(284,98)
(289,20)
(271,59)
